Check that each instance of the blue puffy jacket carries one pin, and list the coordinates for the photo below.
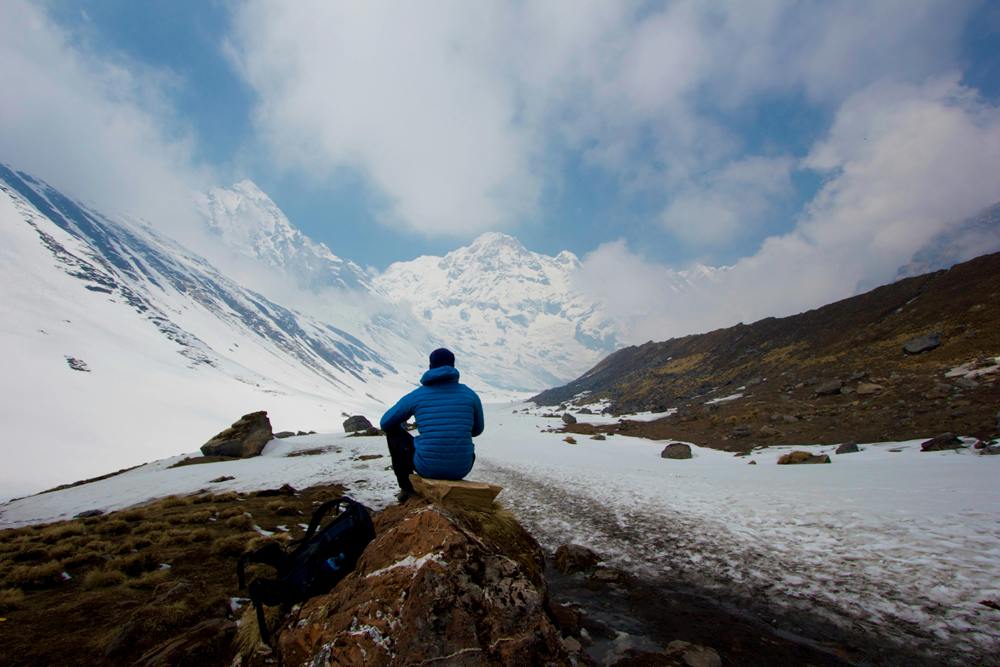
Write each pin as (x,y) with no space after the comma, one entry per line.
(448,415)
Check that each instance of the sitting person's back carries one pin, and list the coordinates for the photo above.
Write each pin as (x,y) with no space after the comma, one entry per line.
(448,415)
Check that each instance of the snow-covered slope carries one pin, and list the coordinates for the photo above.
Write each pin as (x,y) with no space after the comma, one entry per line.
(250,224)
(512,312)
(121,346)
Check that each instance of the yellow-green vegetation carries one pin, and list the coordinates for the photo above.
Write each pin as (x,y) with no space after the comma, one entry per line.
(136,578)
(681,365)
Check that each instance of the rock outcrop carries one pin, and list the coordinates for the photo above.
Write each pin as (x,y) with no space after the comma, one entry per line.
(570,558)
(357,423)
(436,586)
(941,443)
(676,450)
(922,344)
(799,456)
(568,418)
(245,438)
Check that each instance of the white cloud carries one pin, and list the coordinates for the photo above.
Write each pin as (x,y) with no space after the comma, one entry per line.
(724,205)
(455,110)
(904,163)
(89,126)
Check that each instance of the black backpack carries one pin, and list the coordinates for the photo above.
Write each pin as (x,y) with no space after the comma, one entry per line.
(315,565)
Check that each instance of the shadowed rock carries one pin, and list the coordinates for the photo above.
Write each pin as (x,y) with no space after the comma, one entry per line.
(792,458)
(943,442)
(922,344)
(676,450)
(357,423)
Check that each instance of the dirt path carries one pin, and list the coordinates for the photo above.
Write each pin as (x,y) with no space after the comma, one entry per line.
(843,605)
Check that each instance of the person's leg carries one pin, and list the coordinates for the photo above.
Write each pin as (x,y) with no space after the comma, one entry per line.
(401,450)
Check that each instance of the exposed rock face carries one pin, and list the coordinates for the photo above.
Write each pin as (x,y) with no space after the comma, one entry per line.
(568,418)
(571,558)
(941,443)
(802,457)
(357,423)
(848,448)
(245,438)
(207,643)
(676,450)
(435,586)
(922,344)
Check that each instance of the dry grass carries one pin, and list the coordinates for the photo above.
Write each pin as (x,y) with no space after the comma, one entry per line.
(103,579)
(45,575)
(10,599)
(240,522)
(120,602)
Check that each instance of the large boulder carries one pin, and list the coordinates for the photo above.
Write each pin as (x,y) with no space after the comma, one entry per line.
(568,418)
(922,344)
(847,448)
(435,587)
(798,456)
(676,450)
(357,423)
(941,443)
(245,438)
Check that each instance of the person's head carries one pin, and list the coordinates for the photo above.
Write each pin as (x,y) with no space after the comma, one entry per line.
(442,357)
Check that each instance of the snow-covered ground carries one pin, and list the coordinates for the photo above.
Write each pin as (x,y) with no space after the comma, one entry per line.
(902,544)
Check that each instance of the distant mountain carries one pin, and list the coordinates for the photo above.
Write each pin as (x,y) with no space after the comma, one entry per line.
(249,223)
(974,236)
(110,330)
(832,374)
(513,312)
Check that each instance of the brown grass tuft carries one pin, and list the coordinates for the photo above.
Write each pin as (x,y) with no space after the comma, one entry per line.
(114,527)
(150,579)
(11,599)
(135,564)
(232,545)
(134,515)
(240,521)
(147,527)
(201,535)
(175,501)
(103,579)
(57,532)
(45,575)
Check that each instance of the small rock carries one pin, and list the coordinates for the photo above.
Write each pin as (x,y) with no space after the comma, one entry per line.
(223,478)
(868,388)
(847,448)
(741,431)
(990,450)
(566,618)
(585,411)
(599,436)
(570,558)
(751,463)
(829,388)
(88,513)
(357,423)
(922,344)
(571,644)
(769,431)
(943,442)
(568,418)
(676,450)
(966,383)
(799,456)
(570,440)
(701,656)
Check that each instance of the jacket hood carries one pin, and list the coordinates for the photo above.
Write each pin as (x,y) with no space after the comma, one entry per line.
(440,375)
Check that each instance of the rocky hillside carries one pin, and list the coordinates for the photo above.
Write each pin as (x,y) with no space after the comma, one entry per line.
(915,357)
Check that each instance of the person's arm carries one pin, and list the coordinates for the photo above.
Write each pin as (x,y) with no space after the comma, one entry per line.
(478,421)
(397,415)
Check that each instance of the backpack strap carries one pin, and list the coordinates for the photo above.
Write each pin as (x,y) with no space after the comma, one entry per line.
(265,634)
(318,515)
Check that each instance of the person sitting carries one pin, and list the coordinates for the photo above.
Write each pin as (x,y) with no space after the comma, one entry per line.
(449,415)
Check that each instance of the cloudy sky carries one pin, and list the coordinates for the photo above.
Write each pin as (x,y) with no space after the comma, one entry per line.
(811,146)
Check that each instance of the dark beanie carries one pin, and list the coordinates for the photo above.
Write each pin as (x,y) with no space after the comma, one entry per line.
(442,357)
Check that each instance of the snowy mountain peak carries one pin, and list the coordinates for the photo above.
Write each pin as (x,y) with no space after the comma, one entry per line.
(514,312)
(250,224)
